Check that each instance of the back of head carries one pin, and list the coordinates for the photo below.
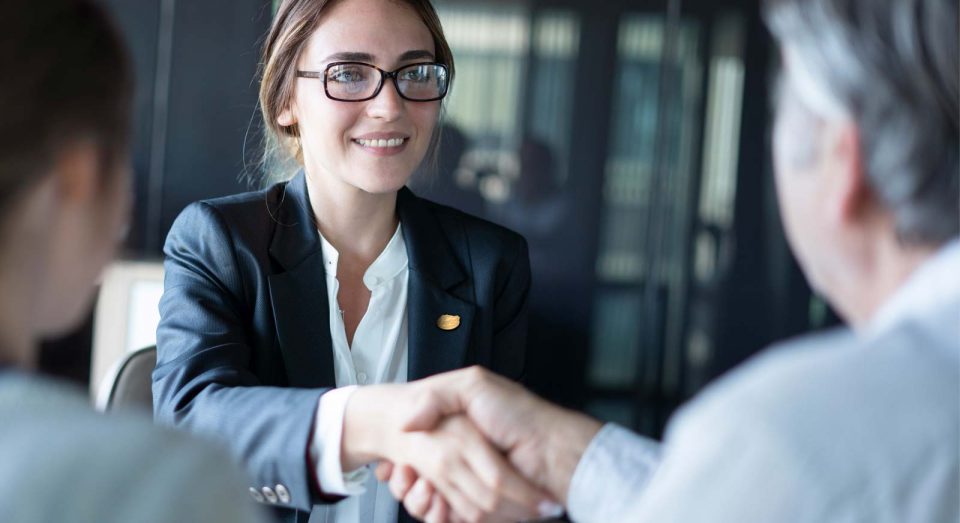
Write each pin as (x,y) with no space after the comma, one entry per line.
(66,76)
(892,67)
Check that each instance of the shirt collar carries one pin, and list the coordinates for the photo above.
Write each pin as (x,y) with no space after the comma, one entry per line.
(933,285)
(390,264)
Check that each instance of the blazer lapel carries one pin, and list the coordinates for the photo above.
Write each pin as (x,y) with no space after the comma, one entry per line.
(299,295)
(440,321)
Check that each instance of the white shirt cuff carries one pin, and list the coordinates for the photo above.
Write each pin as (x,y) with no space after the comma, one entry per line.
(613,471)
(325,446)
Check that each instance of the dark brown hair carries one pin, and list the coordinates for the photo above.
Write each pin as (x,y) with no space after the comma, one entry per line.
(294,23)
(66,76)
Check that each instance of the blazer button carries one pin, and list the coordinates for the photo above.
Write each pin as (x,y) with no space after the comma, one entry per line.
(282,493)
(256,495)
(269,494)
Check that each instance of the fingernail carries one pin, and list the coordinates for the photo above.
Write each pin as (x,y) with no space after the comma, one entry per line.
(549,509)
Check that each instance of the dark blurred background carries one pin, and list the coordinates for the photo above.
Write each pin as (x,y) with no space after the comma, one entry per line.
(627,140)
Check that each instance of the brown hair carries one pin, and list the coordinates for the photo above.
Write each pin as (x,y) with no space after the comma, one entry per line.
(67,76)
(294,23)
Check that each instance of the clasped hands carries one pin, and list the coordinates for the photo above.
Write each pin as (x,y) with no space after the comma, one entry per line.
(466,446)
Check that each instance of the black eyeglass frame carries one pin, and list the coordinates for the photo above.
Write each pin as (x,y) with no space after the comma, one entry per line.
(383,78)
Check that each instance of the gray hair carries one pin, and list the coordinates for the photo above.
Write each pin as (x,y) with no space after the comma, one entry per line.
(892,67)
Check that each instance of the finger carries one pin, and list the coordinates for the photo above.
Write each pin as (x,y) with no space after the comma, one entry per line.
(507,493)
(494,485)
(442,395)
(435,457)
(417,502)
(384,471)
(402,480)
(430,408)
(455,445)
(438,512)
(459,486)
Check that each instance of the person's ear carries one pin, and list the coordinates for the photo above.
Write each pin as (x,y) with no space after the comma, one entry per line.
(287,117)
(849,193)
(77,172)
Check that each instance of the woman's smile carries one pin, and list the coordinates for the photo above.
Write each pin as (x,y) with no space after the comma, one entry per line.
(382,144)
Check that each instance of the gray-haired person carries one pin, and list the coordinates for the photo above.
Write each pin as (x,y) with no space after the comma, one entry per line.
(856,424)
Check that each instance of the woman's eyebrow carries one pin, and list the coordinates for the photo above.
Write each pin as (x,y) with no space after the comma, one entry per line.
(353,56)
(350,56)
(416,55)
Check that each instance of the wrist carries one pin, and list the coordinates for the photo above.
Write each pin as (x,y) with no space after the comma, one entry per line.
(360,443)
(569,437)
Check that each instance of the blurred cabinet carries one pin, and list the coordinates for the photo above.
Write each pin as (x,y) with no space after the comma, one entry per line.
(194,105)
(612,136)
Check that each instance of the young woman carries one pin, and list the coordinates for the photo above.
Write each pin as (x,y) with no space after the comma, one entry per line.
(64,196)
(278,303)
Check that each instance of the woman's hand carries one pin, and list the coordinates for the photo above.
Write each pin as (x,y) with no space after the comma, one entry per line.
(457,463)
(543,442)
(417,495)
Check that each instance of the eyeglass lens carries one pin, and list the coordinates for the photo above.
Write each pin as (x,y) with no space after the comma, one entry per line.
(355,81)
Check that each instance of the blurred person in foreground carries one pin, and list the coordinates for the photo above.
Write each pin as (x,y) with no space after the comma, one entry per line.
(64,199)
(857,424)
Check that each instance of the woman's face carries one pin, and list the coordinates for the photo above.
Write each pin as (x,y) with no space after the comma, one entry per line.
(343,142)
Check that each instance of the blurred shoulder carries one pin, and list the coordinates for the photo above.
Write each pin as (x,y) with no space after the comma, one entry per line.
(824,377)
(839,403)
(62,460)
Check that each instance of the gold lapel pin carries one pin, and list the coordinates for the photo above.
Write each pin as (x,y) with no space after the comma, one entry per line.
(448,322)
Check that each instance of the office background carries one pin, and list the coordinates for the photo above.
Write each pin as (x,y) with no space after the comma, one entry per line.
(627,140)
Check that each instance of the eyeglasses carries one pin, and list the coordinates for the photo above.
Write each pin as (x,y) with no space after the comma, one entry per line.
(359,82)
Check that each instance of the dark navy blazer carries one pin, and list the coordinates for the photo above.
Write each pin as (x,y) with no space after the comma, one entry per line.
(244,347)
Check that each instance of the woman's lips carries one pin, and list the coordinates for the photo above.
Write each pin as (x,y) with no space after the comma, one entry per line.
(382,145)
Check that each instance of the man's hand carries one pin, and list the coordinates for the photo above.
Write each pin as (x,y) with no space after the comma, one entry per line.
(543,441)
(474,479)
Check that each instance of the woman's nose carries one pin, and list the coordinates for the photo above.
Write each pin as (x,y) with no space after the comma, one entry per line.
(388,104)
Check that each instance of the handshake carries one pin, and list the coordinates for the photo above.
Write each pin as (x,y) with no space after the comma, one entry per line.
(466,445)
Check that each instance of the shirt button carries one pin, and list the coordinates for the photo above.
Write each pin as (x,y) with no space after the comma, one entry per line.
(256,495)
(361,378)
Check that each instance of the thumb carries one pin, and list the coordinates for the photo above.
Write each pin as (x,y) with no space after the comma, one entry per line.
(437,398)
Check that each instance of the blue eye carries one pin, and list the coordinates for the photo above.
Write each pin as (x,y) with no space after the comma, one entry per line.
(416,74)
(346,75)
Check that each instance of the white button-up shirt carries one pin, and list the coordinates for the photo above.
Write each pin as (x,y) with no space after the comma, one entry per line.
(378,355)
(832,427)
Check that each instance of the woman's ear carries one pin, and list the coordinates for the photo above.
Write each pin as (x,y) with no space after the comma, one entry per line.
(286,118)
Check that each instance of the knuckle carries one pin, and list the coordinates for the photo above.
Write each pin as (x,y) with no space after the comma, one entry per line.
(492,505)
(473,516)
(429,397)
(474,373)
(498,481)
(415,509)
(447,460)
(486,502)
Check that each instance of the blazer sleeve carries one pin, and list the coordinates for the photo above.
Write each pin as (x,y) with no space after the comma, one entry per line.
(203,381)
(510,315)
